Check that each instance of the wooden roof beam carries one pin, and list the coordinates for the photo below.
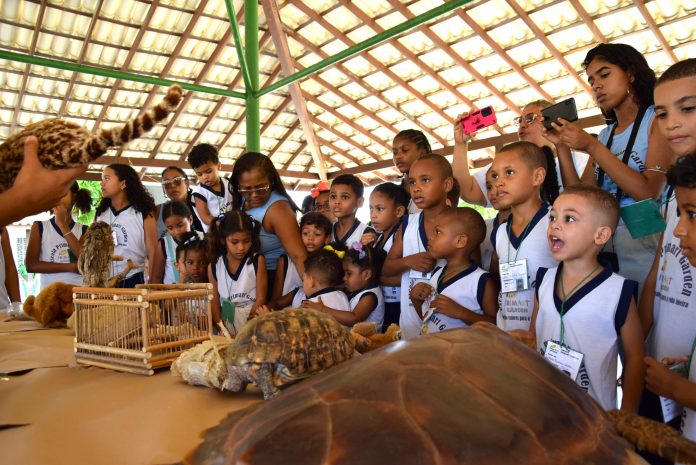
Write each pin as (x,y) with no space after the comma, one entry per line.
(345,154)
(81,58)
(589,22)
(270,9)
(27,67)
(283,138)
(126,62)
(502,53)
(429,71)
(547,43)
(650,21)
(373,90)
(374,62)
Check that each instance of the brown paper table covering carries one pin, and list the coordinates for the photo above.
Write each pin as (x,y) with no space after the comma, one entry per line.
(26,350)
(96,416)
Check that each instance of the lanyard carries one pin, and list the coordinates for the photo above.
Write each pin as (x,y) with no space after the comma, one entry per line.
(170,248)
(565,298)
(627,152)
(522,237)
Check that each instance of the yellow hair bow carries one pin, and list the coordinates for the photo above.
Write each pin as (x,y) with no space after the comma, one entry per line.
(339,253)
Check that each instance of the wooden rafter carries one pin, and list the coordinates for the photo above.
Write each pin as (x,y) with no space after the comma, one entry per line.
(242,116)
(502,53)
(374,62)
(343,153)
(372,90)
(283,138)
(547,43)
(27,67)
(81,58)
(295,154)
(589,22)
(655,29)
(429,71)
(270,9)
(126,63)
(165,70)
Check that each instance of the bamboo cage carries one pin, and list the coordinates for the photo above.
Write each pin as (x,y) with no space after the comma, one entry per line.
(139,330)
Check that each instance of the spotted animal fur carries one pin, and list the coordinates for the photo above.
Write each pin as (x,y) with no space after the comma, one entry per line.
(63,144)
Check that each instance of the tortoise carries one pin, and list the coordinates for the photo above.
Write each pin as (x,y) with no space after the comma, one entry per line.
(282,347)
(466,396)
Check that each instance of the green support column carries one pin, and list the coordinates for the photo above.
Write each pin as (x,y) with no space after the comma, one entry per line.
(251,49)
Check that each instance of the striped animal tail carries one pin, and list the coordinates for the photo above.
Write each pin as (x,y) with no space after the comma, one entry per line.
(105,138)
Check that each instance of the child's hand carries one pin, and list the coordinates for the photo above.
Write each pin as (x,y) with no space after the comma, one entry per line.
(318,306)
(459,136)
(422,262)
(669,361)
(262,310)
(574,136)
(368,238)
(421,291)
(660,379)
(446,306)
(551,135)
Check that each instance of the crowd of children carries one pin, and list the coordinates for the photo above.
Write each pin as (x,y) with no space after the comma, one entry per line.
(564,261)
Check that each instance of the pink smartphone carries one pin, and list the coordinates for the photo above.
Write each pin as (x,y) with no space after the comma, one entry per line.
(478,120)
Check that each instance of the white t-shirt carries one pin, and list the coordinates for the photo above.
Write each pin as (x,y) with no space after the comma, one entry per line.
(377,314)
(128,227)
(238,288)
(55,249)
(353,235)
(218,202)
(330,297)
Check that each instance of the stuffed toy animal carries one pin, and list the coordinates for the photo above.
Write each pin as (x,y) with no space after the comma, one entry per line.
(53,306)
(366,338)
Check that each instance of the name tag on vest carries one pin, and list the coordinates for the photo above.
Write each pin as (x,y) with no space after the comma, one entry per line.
(514,276)
(564,358)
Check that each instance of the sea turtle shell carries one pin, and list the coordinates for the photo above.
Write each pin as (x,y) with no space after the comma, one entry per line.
(467,396)
(297,342)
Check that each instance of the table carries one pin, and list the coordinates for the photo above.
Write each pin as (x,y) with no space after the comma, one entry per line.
(52,412)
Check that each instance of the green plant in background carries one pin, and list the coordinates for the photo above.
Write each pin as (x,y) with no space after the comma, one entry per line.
(94,187)
(486,213)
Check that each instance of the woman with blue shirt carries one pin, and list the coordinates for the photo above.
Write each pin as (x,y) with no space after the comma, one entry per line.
(257,189)
(622,83)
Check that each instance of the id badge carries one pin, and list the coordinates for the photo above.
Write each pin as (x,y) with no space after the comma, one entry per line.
(420,275)
(643,218)
(670,408)
(564,358)
(228,311)
(513,276)
(428,311)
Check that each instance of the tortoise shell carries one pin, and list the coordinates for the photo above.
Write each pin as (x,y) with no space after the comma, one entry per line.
(300,342)
(467,396)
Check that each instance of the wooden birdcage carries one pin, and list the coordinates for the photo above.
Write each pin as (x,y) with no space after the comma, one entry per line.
(139,330)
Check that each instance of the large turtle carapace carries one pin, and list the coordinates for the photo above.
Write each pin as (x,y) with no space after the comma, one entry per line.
(471,396)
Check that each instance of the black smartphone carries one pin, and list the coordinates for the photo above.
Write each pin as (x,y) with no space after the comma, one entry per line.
(565,109)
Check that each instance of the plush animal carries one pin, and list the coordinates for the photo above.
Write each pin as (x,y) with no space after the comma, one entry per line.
(63,144)
(366,338)
(96,256)
(53,306)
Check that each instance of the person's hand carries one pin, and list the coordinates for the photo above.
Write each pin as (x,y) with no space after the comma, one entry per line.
(262,310)
(459,136)
(551,135)
(421,291)
(368,238)
(318,306)
(446,306)
(573,135)
(669,361)
(36,188)
(660,379)
(61,213)
(422,262)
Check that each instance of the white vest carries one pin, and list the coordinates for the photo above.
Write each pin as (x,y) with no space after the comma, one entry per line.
(392,294)
(466,289)
(415,241)
(515,308)
(377,314)
(674,308)
(331,297)
(293,280)
(218,202)
(593,317)
(130,238)
(55,249)
(354,234)
(238,288)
